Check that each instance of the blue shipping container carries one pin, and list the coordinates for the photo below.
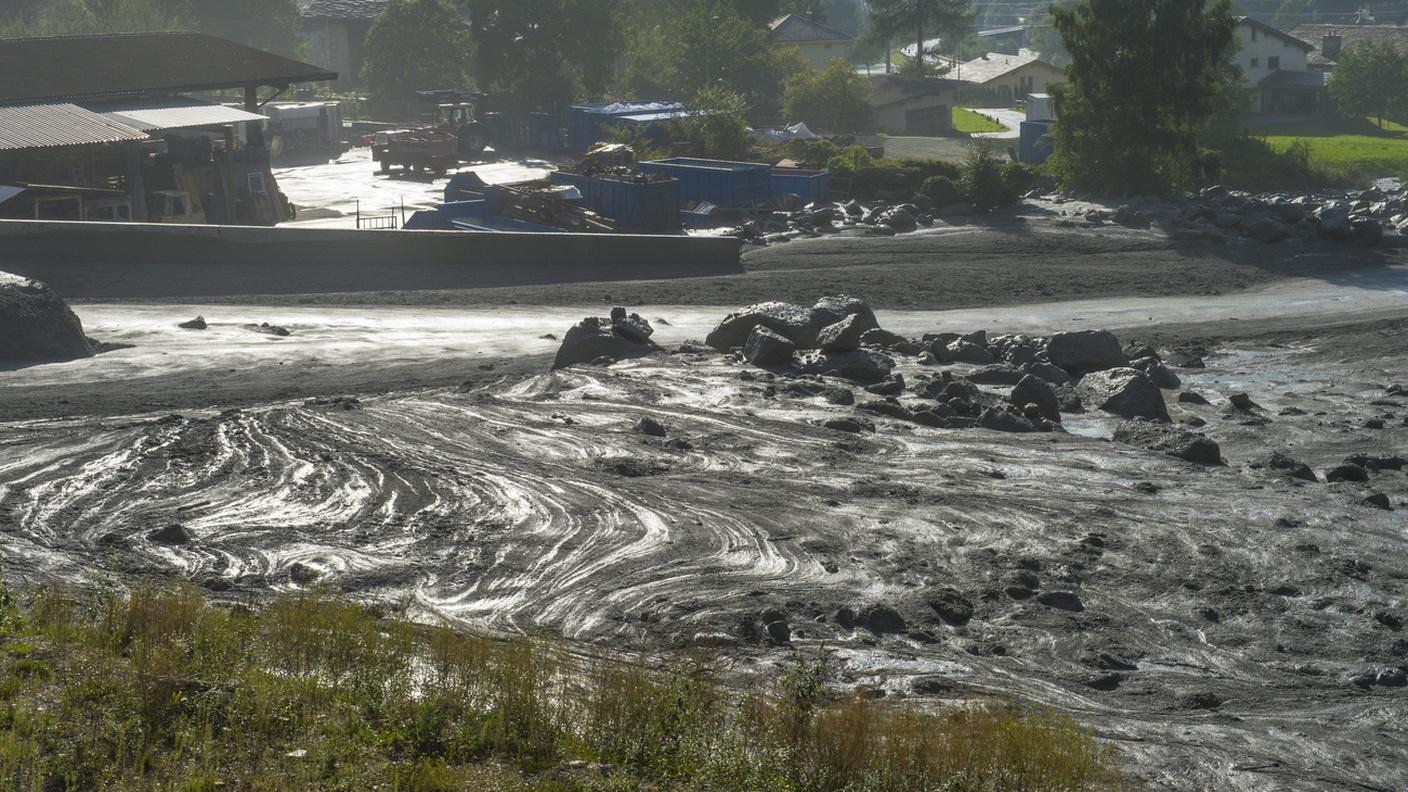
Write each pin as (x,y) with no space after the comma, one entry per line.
(641,206)
(544,131)
(810,186)
(732,185)
(1035,145)
(586,124)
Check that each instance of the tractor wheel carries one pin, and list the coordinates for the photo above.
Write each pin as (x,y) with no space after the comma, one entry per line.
(473,139)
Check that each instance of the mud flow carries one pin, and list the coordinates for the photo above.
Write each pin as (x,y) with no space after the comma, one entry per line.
(1225,626)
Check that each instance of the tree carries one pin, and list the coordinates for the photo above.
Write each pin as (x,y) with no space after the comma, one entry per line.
(415,45)
(706,45)
(1143,80)
(835,100)
(272,25)
(1368,80)
(895,19)
(534,53)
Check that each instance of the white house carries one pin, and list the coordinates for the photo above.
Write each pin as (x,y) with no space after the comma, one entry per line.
(818,43)
(1275,67)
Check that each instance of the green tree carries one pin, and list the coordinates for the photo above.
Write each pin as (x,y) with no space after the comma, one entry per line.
(707,45)
(415,45)
(539,53)
(1143,80)
(1368,80)
(836,99)
(895,20)
(716,126)
(271,25)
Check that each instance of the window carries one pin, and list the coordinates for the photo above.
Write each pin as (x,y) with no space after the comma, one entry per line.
(1273,63)
(1256,63)
(1253,34)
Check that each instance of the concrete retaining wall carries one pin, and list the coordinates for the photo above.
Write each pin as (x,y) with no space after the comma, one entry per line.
(95,260)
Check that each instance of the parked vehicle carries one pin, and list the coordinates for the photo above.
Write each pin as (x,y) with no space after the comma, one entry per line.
(304,129)
(416,150)
(457,113)
(174,207)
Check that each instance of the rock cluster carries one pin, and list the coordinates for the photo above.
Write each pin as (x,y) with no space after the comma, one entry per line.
(1218,214)
(820,219)
(598,339)
(35,325)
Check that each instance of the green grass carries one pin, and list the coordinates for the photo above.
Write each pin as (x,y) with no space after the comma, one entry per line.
(1345,150)
(969,122)
(163,690)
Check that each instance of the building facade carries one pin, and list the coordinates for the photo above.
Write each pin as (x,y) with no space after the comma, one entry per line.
(818,43)
(1275,70)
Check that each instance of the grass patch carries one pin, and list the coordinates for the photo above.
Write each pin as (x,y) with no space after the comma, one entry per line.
(164,690)
(1348,150)
(969,122)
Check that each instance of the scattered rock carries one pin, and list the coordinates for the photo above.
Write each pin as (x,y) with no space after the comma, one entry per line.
(277,331)
(1171,440)
(1192,397)
(1123,392)
(853,425)
(172,536)
(197,323)
(830,310)
(1294,468)
(302,574)
(842,336)
(1061,600)
(962,351)
(950,605)
(35,325)
(1242,401)
(1378,501)
(881,619)
(997,374)
(883,339)
(1035,392)
(1347,472)
(650,426)
(999,420)
(861,365)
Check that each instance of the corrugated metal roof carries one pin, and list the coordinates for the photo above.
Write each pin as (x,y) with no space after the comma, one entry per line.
(343,9)
(52,125)
(155,115)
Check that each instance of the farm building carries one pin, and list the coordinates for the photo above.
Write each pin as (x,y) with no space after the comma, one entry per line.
(913,106)
(996,79)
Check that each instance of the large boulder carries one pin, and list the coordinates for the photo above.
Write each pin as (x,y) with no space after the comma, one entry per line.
(1124,392)
(619,337)
(830,310)
(1036,391)
(1084,351)
(766,348)
(843,335)
(789,320)
(36,325)
(1171,440)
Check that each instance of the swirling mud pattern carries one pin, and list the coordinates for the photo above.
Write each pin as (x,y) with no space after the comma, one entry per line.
(1209,621)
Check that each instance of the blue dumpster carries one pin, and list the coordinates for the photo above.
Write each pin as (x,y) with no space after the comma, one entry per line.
(635,204)
(810,186)
(734,185)
(544,131)
(587,124)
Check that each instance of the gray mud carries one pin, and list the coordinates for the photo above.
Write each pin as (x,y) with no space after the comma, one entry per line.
(1215,624)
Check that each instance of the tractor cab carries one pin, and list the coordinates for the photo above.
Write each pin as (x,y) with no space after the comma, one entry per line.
(457,113)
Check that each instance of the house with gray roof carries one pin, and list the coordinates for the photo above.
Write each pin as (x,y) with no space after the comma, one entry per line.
(818,43)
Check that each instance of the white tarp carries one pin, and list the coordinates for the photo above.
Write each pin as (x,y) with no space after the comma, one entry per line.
(798,131)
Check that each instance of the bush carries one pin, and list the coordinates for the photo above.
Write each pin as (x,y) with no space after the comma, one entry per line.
(986,182)
(850,161)
(940,191)
(811,153)
(1253,164)
(836,99)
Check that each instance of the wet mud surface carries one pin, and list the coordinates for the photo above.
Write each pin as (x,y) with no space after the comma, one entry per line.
(1224,627)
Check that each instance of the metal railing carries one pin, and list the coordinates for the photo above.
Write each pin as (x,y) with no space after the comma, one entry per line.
(381,222)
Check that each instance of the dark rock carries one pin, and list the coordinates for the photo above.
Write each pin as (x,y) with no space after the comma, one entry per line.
(1390,677)
(1377,463)
(1192,397)
(1347,472)
(35,325)
(1366,230)
(1032,391)
(791,321)
(1051,373)
(1242,401)
(197,323)
(950,605)
(1061,600)
(779,632)
(1085,351)
(1123,392)
(1105,682)
(861,365)
(997,374)
(889,409)
(881,619)
(890,387)
(1171,440)
(597,337)
(850,424)
(999,420)
(650,426)
(830,310)
(961,351)
(1158,372)
(1294,468)
(840,396)
(1378,501)
(1268,230)
(171,536)
(765,348)
(268,329)
(882,338)
(1204,700)
(302,574)
(842,336)
(846,618)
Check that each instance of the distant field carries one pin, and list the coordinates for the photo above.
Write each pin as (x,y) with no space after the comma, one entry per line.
(969,122)
(1347,149)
